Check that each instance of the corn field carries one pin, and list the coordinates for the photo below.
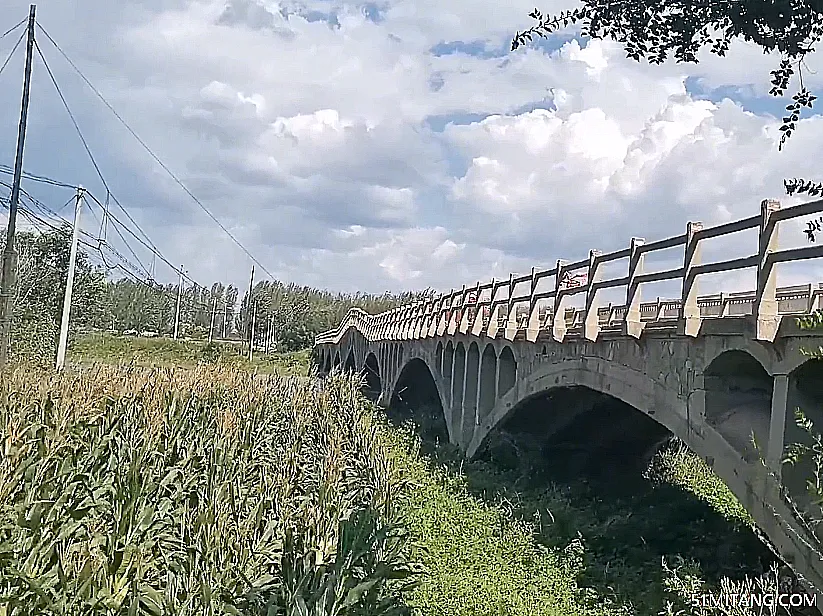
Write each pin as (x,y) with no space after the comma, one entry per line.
(129,490)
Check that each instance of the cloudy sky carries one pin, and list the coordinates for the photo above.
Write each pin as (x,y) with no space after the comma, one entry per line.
(395,145)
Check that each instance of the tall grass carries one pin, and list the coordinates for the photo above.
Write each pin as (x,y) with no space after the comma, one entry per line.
(209,491)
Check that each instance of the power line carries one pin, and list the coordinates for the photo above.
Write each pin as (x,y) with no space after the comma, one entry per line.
(13,28)
(11,53)
(153,155)
(37,178)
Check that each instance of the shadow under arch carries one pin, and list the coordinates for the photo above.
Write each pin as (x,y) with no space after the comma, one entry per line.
(593,447)
(805,393)
(373,385)
(569,431)
(416,397)
(350,365)
(738,400)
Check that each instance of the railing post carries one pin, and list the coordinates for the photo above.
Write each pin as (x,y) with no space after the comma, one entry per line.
(689,307)
(591,324)
(477,328)
(442,319)
(420,322)
(465,320)
(511,314)
(435,313)
(394,334)
(533,326)
(494,321)
(453,318)
(411,319)
(765,303)
(633,324)
(425,328)
(411,316)
(559,314)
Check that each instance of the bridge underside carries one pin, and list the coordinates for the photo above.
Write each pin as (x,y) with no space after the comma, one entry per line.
(715,393)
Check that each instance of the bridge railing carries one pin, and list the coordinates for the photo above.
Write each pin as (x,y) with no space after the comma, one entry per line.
(480,310)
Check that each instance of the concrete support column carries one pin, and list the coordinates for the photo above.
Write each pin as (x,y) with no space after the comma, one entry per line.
(471,389)
(777,424)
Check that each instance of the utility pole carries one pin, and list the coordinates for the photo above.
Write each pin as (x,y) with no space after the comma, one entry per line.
(270,337)
(226,321)
(9,254)
(177,308)
(64,323)
(213,312)
(251,337)
(248,309)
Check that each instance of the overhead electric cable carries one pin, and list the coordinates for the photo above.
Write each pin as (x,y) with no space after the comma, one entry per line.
(153,155)
(11,53)
(13,28)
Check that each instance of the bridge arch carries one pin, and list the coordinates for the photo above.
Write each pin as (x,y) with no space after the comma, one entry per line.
(488,381)
(448,360)
(610,378)
(738,397)
(804,392)
(351,364)
(438,354)
(507,371)
(374,385)
(415,392)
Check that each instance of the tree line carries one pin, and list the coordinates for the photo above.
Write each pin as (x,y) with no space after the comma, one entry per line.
(286,315)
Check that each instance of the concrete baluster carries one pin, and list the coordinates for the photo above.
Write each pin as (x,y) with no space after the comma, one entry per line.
(591,324)
(477,328)
(632,324)
(470,312)
(494,309)
(442,319)
(560,302)
(457,313)
(434,315)
(765,303)
(690,309)
(511,313)
(533,326)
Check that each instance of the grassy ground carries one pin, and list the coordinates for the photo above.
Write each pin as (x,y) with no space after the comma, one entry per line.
(102,347)
(497,544)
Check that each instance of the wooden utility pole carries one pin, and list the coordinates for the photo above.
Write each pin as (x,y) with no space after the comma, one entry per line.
(226,320)
(9,254)
(213,312)
(177,308)
(64,323)
(247,316)
(251,336)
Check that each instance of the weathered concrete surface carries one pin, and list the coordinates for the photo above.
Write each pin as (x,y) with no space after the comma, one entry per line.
(711,391)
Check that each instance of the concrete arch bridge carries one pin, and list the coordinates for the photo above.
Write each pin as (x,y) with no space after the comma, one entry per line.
(712,370)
